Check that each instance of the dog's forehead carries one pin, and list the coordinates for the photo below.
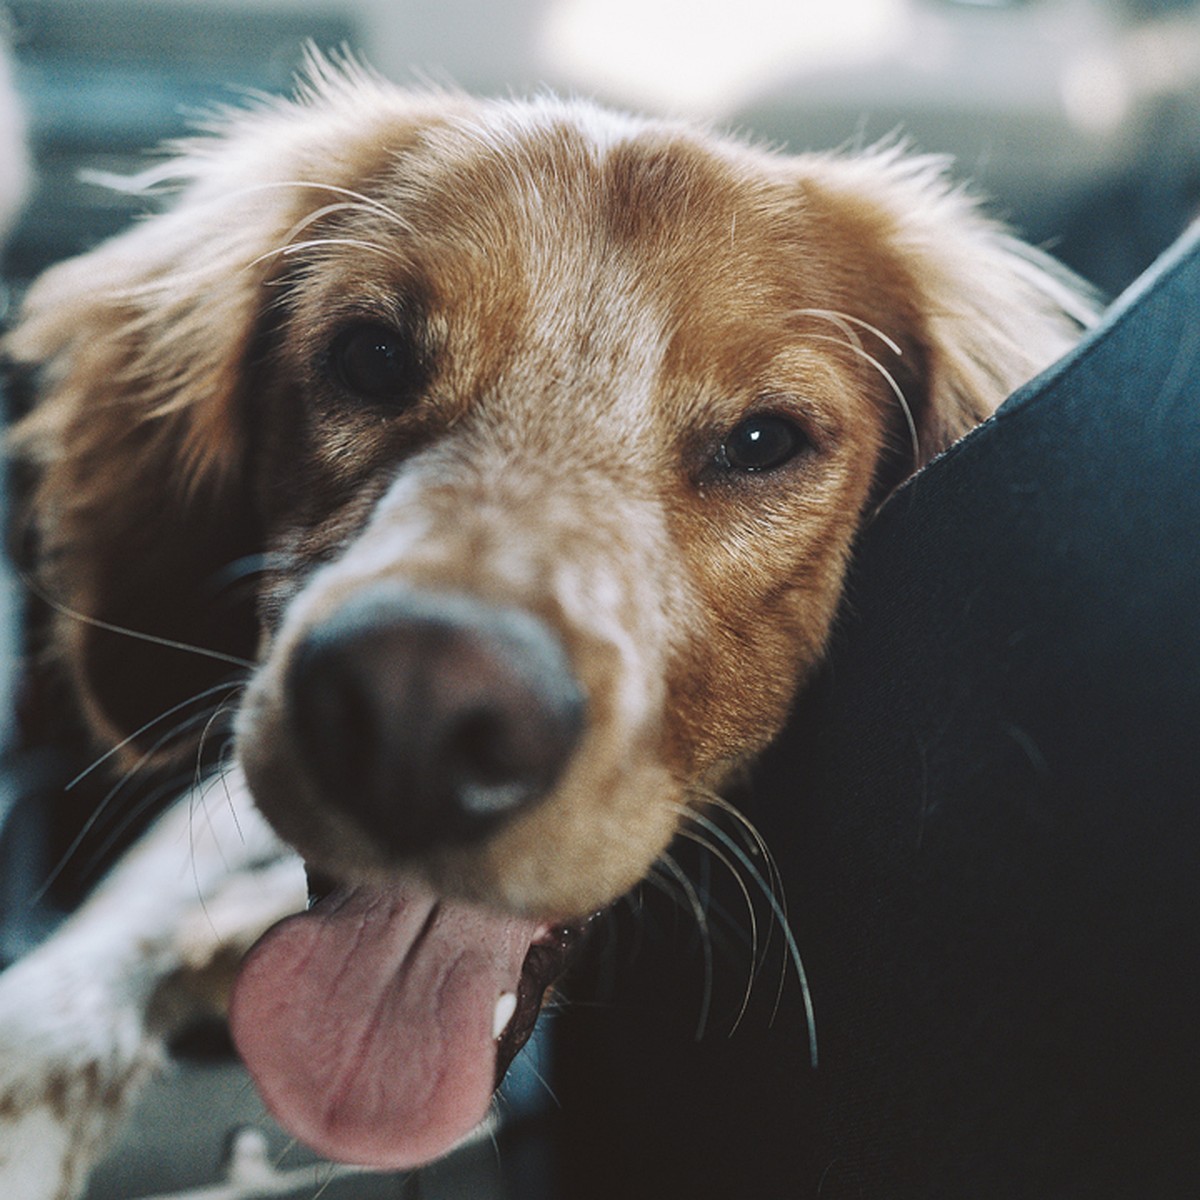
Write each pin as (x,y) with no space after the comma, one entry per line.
(571,188)
(561,237)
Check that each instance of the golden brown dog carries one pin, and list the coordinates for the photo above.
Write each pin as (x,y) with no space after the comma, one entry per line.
(549,432)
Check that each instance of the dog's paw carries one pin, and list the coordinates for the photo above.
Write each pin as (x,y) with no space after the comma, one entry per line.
(72,1058)
(40,1154)
(84,1018)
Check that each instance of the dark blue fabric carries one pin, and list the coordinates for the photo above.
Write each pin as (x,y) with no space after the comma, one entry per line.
(986,813)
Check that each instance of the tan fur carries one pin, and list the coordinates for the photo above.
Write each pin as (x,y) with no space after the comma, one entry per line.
(604,299)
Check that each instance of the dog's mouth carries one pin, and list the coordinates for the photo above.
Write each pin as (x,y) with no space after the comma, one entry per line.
(378,1023)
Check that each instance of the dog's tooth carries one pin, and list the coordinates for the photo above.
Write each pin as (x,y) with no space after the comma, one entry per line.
(505,1007)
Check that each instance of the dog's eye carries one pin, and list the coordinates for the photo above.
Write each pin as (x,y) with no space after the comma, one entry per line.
(762,443)
(375,362)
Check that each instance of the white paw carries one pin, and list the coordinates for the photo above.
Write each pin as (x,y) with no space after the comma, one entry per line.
(72,1057)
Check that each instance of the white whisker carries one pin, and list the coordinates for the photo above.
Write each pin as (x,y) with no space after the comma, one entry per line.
(844,320)
(222,775)
(149,803)
(716,853)
(112,793)
(321,243)
(95,764)
(773,900)
(319,214)
(158,175)
(757,845)
(698,911)
(137,635)
(198,775)
(364,201)
(890,379)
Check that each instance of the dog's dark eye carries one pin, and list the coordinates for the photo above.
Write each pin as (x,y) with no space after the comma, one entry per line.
(375,362)
(762,443)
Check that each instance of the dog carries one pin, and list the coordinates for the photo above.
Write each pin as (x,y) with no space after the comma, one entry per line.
(536,437)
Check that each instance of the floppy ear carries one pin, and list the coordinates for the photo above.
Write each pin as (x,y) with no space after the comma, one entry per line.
(145,349)
(976,311)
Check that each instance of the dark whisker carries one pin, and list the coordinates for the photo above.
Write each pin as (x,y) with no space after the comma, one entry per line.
(135,634)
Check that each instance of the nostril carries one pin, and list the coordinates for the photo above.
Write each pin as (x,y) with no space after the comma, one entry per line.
(431,719)
(494,763)
(482,753)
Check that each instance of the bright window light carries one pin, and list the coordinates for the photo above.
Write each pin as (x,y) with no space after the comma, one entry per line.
(705,56)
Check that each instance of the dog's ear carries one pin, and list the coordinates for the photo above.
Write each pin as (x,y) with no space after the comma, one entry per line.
(144,350)
(975,311)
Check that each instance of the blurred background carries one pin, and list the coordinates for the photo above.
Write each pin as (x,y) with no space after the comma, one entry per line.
(1079,119)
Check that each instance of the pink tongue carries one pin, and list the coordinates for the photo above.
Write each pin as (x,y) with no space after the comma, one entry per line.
(367,1023)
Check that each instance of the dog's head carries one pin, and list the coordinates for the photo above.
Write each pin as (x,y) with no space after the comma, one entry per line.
(549,432)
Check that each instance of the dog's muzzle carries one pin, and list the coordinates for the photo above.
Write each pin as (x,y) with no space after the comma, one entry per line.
(431,718)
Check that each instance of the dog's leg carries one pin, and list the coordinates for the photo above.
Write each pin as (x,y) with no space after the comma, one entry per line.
(83,1018)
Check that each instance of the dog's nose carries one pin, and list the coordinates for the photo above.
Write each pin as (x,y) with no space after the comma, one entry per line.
(430,718)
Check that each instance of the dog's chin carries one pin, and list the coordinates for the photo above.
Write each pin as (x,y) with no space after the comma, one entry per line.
(378,1024)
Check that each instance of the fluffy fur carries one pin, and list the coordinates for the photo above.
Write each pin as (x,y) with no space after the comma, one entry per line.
(591,305)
